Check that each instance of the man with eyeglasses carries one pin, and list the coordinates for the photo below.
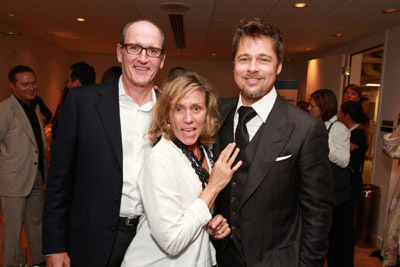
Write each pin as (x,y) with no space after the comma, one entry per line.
(92,201)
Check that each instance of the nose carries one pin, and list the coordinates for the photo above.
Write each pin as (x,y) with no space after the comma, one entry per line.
(253,67)
(188,117)
(143,56)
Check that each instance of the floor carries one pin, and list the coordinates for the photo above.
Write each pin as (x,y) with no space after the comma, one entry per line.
(362,254)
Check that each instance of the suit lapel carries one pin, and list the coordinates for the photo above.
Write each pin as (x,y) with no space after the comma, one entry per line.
(23,118)
(108,110)
(225,135)
(266,146)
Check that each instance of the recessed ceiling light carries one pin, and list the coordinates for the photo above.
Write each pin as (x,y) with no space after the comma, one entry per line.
(80,19)
(11,15)
(288,59)
(174,7)
(213,54)
(390,11)
(307,49)
(338,35)
(73,46)
(300,5)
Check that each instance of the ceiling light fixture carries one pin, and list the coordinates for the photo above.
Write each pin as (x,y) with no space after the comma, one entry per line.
(307,49)
(338,35)
(213,54)
(390,11)
(174,7)
(373,84)
(300,5)
(288,59)
(80,19)
(11,15)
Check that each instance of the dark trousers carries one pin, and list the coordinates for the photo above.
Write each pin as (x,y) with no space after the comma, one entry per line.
(125,235)
(342,234)
(230,256)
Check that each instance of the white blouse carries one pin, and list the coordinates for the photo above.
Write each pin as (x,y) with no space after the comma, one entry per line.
(172,231)
(339,142)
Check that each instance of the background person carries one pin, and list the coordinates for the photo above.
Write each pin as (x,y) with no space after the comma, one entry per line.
(323,105)
(22,166)
(390,250)
(177,186)
(79,74)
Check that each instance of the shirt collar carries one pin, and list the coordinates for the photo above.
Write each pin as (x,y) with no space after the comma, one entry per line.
(122,93)
(263,106)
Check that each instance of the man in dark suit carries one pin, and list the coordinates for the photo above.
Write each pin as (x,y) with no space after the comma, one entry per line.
(279,203)
(92,202)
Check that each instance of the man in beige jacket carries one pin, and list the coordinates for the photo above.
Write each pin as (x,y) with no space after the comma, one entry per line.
(22,166)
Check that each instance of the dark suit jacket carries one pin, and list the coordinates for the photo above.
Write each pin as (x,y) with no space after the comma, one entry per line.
(279,203)
(84,187)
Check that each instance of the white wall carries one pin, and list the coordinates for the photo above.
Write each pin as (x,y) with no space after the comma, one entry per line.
(325,73)
(47,61)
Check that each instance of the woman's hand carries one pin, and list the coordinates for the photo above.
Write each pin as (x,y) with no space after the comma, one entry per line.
(221,174)
(223,171)
(218,227)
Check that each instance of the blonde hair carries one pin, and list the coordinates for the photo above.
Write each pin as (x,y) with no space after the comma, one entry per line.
(179,88)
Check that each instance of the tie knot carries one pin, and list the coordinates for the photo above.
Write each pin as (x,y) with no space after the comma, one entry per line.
(246,114)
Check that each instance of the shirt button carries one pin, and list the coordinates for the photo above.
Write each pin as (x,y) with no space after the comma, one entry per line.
(233,227)
(35,163)
(36,151)
(233,184)
(116,200)
(233,213)
(233,199)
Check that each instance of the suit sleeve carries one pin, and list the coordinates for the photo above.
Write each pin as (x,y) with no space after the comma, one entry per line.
(316,195)
(60,180)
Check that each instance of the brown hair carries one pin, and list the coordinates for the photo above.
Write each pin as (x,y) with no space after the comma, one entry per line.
(326,101)
(353,87)
(257,28)
(179,88)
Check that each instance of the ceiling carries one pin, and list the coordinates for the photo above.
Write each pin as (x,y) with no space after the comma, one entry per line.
(207,25)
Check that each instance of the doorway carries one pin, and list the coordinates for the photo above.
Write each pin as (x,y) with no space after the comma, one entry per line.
(366,71)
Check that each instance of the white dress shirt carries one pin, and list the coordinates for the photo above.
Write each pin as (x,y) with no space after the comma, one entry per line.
(339,142)
(262,107)
(135,122)
(172,231)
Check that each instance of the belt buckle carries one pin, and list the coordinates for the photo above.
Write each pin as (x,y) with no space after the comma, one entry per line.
(128,220)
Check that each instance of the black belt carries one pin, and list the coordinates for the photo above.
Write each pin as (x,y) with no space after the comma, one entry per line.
(128,221)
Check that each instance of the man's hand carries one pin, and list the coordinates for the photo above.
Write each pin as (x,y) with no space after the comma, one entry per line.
(218,227)
(58,260)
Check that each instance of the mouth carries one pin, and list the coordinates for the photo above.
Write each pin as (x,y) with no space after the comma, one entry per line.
(189,131)
(141,68)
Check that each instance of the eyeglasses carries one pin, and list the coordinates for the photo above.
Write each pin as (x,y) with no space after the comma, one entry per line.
(135,49)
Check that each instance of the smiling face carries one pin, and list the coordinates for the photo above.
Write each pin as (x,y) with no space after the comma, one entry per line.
(256,67)
(25,87)
(188,118)
(140,70)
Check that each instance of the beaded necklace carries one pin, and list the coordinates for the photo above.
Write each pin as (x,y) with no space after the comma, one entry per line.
(196,164)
